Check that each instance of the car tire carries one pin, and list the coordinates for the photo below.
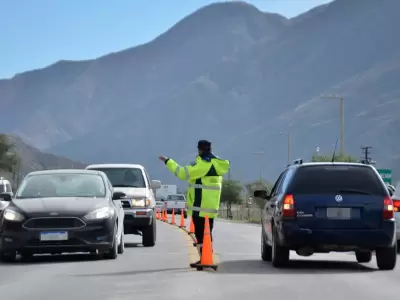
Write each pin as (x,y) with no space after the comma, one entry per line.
(121,246)
(266,250)
(149,235)
(386,258)
(113,252)
(363,256)
(8,256)
(279,254)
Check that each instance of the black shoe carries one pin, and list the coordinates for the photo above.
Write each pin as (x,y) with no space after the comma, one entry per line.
(194,265)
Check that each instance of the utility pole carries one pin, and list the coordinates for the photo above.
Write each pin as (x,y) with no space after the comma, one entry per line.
(289,145)
(341,99)
(366,150)
(261,153)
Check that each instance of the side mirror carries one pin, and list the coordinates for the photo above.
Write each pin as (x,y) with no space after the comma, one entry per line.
(6,197)
(261,194)
(155,184)
(118,195)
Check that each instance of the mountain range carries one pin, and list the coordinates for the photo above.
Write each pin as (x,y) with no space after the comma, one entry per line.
(231,74)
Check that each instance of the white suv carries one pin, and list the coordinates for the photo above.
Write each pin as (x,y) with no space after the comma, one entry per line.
(139,203)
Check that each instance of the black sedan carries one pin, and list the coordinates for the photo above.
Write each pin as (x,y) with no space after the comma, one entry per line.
(62,211)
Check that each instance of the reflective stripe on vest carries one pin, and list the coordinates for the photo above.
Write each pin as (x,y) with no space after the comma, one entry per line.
(178,168)
(206,210)
(205,187)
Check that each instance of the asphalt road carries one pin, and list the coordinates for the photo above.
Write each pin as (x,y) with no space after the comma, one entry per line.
(162,272)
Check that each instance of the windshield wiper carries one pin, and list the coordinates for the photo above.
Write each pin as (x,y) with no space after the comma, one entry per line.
(126,185)
(355,192)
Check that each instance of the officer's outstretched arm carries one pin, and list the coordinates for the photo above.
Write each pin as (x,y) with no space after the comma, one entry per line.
(188,172)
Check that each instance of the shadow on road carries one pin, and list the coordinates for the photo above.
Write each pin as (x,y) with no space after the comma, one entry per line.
(54,259)
(134,272)
(293,267)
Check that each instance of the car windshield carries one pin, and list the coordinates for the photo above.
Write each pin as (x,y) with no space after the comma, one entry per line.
(124,177)
(62,185)
(336,179)
(176,198)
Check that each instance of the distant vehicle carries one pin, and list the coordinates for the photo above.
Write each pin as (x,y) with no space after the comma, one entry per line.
(324,207)
(57,211)
(396,204)
(5,187)
(177,203)
(165,190)
(139,204)
(159,205)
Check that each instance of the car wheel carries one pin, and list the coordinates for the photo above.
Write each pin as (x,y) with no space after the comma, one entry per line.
(8,256)
(149,235)
(386,258)
(280,255)
(266,250)
(121,246)
(113,252)
(363,256)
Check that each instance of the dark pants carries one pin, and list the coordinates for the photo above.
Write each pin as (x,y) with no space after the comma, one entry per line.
(199,223)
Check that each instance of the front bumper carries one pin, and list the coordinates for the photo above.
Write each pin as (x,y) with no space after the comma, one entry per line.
(96,235)
(137,219)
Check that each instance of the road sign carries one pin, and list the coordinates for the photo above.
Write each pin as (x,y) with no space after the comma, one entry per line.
(386,175)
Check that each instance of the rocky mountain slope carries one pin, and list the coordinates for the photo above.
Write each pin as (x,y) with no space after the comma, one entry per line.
(33,159)
(228,73)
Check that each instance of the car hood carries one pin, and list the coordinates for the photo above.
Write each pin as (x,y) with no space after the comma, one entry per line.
(61,206)
(133,192)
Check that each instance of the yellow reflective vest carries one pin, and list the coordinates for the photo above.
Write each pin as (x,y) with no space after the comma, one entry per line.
(205,183)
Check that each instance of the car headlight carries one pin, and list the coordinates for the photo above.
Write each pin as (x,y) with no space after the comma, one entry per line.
(140,202)
(11,215)
(100,213)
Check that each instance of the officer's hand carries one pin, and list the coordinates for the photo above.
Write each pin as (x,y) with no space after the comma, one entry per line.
(162,158)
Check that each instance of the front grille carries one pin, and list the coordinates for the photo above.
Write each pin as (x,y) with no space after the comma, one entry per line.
(69,242)
(126,204)
(53,223)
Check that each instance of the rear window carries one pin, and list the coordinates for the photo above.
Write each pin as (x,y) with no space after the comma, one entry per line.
(336,179)
(176,198)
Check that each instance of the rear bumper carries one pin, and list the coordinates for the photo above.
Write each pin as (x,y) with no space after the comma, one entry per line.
(338,239)
(137,219)
(96,236)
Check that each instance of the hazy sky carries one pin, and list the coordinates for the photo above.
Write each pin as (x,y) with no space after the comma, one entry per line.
(36,33)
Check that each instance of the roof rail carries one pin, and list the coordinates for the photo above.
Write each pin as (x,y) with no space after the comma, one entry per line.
(298,161)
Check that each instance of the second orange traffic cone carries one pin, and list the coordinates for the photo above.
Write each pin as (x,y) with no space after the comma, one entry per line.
(158,215)
(173,217)
(182,225)
(164,217)
(191,229)
(207,260)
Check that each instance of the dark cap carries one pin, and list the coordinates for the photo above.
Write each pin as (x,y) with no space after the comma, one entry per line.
(204,145)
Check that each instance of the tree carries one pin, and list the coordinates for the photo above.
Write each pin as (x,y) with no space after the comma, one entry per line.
(9,160)
(258,185)
(327,158)
(231,193)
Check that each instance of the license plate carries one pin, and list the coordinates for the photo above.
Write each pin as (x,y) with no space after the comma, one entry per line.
(338,212)
(54,236)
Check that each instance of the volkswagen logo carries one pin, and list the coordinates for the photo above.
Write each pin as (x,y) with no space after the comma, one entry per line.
(54,214)
(338,198)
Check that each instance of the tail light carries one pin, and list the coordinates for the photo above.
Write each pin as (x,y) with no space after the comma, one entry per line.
(388,208)
(288,207)
(396,205)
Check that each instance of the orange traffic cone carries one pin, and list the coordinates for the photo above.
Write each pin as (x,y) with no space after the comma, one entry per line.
(173,217)
(158,215)
(191,229)
(207,260)
(163,215)
(182,225)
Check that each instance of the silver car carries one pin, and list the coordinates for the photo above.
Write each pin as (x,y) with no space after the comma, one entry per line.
(396,204)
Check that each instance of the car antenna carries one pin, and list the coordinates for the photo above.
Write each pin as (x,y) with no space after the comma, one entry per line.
(334,150)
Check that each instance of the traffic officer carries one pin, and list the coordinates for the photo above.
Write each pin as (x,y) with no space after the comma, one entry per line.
(205,183)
